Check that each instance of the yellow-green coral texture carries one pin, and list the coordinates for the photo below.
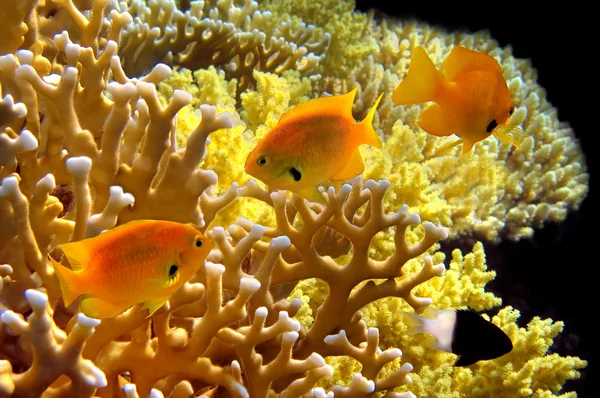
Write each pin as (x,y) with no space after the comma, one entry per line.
(495,192)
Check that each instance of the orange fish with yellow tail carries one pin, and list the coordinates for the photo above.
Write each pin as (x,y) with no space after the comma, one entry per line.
(313,143)
(143,261)
(471,97)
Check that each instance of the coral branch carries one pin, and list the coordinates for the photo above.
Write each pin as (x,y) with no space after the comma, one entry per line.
(49,363)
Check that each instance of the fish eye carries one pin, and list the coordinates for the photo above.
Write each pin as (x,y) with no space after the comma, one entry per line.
(296,174)
(199,242)
(173,271)
(263,160)
(493,124)
(510,111)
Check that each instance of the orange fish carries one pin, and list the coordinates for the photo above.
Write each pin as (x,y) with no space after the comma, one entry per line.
(143,261)
(471,97)
(313,143)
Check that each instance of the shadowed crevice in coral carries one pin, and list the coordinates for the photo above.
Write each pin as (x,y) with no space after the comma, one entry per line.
(536,276)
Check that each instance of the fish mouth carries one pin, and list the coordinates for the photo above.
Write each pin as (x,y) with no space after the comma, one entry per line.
(251,172)
(249,166)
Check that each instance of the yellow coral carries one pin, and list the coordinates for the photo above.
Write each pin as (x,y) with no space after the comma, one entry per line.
(207,86)
(496,191)
(273,96)
(527,371)
(350,38)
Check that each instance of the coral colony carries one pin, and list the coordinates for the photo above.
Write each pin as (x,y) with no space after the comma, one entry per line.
(118,111)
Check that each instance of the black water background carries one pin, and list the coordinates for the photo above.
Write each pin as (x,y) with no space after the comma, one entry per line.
(554,274)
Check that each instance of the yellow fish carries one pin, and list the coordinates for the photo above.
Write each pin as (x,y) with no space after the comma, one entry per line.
(471,97)
(143,261)
(314,142)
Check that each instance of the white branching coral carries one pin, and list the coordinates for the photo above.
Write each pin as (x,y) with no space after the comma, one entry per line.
(197,329)
(112,144)
(239,38)
(54,353)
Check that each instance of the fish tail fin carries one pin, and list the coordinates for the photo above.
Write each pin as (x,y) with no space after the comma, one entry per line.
(365,127)
(421,82)
(424,323)
(415,323)
(68,280)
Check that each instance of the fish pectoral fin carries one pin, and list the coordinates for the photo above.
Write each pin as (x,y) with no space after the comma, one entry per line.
(95,307)
(446,148)
(332,105)
(312,194)
(353,167)
(153,305)
(432,120)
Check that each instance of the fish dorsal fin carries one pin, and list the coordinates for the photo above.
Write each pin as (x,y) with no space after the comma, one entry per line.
(338,105)
(77,253)
(120,231)
(127,225)
(365,127)
(462,59)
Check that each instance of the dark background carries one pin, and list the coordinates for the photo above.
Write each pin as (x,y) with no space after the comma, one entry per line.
(555,273)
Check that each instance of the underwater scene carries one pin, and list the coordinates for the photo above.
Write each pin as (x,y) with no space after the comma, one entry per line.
(291,198)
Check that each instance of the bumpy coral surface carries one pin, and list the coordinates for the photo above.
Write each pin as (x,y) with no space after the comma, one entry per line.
(497,192)
(115,111)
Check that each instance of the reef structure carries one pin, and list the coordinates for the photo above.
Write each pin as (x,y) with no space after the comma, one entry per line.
(297,299)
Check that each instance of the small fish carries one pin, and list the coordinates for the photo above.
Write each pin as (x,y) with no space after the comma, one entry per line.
(471,98)
(143,261)
(461,332)
(314,142)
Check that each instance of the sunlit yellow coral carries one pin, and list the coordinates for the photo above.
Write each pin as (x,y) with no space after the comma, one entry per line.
(496,191)
(273,96)
(527,371)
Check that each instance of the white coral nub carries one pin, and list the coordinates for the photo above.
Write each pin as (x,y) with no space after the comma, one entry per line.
(249,285)
(79,167)
(10,147)
(9,187)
